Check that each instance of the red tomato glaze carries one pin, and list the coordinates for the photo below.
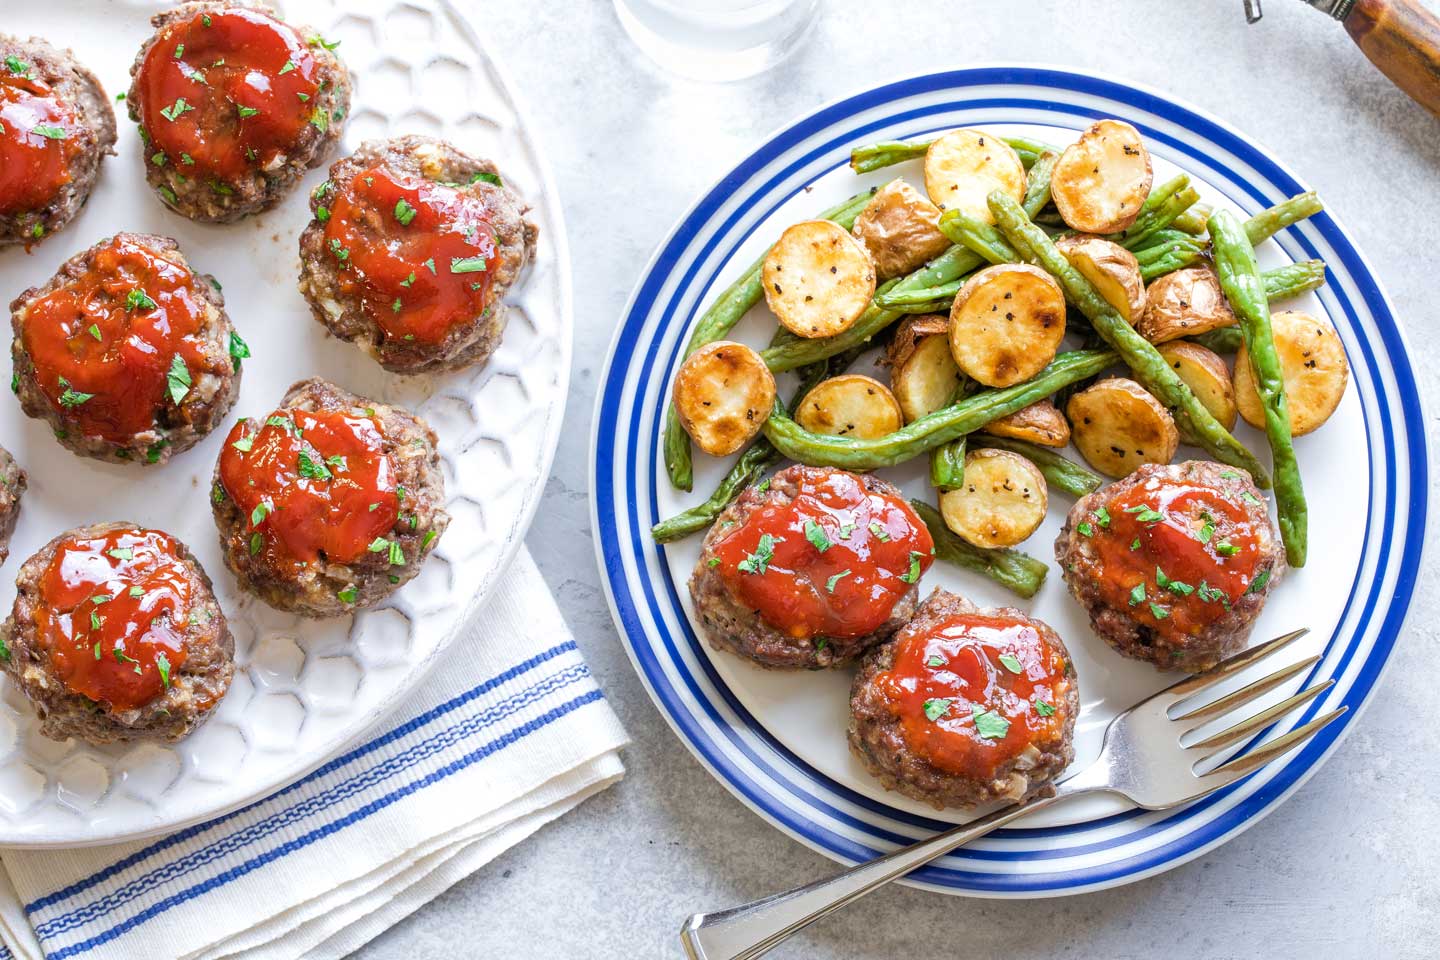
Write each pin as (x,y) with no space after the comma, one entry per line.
(830,563)
(1176,554)
(418,255)
(965,709)
(226,93)
(104,343)
(39,138)
(311,485)
(113,613)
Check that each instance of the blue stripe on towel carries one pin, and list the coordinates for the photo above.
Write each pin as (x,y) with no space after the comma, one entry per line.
(335,826)
(370,746)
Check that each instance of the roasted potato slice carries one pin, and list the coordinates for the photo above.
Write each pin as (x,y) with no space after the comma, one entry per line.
(1183,304)
(1315,370)
(1002,501)
(1041,422)
(1205,373)
(850,405)
(964,166)
(1101,180)
(724,393)
(898,229)
(1118,426)
(923,375)
(1111,269)
(1006,323)
(818,279)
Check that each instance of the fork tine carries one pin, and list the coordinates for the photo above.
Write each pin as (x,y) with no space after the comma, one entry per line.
(1248,692)
(1230,772)
(1262,719)
(1234,665)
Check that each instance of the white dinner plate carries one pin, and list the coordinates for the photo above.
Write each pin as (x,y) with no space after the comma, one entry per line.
(302,688)
(777,739)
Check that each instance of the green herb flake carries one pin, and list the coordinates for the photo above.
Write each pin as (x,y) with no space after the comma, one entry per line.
(846,529)
(256,542)
(313,469)
(397,555)
(347,595)
(834,581)
(152,455)
(935,709)
(246,111)
(1085,529)
(1207,530)
(319,41)
(137,591)
(404,212)
(816,535)
(1135,544)
(1159,612)
(430,536)
(138,299)
(94,331)
(289,65)
(1250,498)
(989,724)
(95,621)
(487,178)
(180,107)
(239,350)
(320,120)
(244,444)
(913,574)
(1229,475)
(72,398)
(1226,549)
(879,532)
(935,660)
(262,510)
(178,379)
(1102,517)
(121,553)
(1258,584)
(162,663)
(1043,708)
(1137,594)
(101,598)
(430,265)
(167,194)
(322,214)
(18,67)
(759,561)
(408,280)
(712,562)
(1011,662)
(48,131)
(467,265)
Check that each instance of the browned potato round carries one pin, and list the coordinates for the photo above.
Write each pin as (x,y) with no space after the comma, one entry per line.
(1185,303)
(1118,426)
(1101,180)
(850,405)
(818,279)
(723,393)
(1205,373)
(964,166)
(923,374)
(1006,324)
(1041,422)
(1316,372)
(1111,269)
(1001,503)
(898,229)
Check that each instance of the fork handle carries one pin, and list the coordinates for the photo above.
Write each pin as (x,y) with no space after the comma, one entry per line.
(743,933)
(1402,38)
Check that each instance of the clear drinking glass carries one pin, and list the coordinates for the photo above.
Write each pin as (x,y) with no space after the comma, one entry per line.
(716,39)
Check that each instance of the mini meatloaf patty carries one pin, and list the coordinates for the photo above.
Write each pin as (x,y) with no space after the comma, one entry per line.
(12,488)
(966,706)
(116,635)
(126,352)
(329,504)
(234,105)
(810,569)
(56,125)
(411,251)
(1173,563)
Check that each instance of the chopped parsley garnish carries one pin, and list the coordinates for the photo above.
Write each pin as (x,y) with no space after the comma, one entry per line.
(989,724)
(467,264)
(816,535)
(179,50)
(94,331)
(1207,530)
(162,663)
(759,561)
(1249,497)
(845,530)
(289,65)
(244,444)
(138,299)
(95,621)
(1135,544)
(166,194)
(487,178)
(256,542)
(1158,612)
(322,214)
(158,159)
(341,253)
(1010,662)
(246,111)
(122,657)
(319,41)
(239,350)
(430,535)
(1183,589)
(101,598)
(186,159)
(137,591)
(408,280)
(178,379)
(72,398)
(1043,708)
(320,120)
(913,574)
(4,649)
(347,595)
(763,486)
(430,264)
(1229,475)
(935,660)
(1137,594)
(397,555)
(835,580)
(879,532)
(404,212)
(935,709)
(48,131)
(1085,529)
(1226,549)
(1209,594)
(712,562)
(313,469)
(1145,514)
(1102,517)
(396,305)
(339,462)
(179,107)
(153,454)
(121,553)
(1258,584)
(18,66)
(205,19)
(262,510)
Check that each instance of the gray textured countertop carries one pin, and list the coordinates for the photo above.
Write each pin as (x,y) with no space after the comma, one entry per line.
(1344,869)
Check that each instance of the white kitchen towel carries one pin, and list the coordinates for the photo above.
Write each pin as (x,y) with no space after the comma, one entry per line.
(507,733)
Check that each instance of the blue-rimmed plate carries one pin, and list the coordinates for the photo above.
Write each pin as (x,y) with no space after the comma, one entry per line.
(777,739)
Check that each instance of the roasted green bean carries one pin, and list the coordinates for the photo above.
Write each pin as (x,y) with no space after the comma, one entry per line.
(732,304)
(947,465)
(921,436)
(1060,472)
(1281,283)
(1017,572)
(1240,279)
(1139,354)
(1271,221)
(876,156)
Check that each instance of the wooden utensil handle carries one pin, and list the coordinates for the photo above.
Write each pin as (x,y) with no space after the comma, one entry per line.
(1402,38)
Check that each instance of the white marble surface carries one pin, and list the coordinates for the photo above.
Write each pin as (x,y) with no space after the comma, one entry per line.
(1344,869)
